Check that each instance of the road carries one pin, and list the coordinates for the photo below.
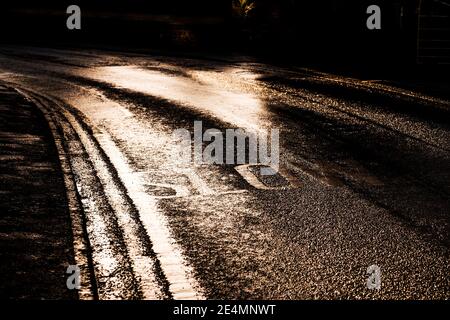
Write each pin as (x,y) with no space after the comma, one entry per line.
(366,168)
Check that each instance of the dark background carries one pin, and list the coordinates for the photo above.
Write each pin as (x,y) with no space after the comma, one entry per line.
(322,32)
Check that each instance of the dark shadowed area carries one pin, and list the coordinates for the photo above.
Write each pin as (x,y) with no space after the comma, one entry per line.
(35,230)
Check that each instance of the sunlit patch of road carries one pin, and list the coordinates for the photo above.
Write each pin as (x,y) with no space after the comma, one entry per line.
(242,110)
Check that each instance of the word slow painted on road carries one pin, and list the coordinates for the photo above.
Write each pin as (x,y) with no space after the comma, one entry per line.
(235,142)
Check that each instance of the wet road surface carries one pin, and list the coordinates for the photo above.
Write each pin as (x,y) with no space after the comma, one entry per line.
(370,164)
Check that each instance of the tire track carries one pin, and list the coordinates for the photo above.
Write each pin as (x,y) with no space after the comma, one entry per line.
(152,263)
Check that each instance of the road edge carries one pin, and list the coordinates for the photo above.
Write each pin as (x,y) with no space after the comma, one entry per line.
(81,247)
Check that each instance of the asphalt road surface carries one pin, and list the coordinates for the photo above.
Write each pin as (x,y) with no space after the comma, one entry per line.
(365,171)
